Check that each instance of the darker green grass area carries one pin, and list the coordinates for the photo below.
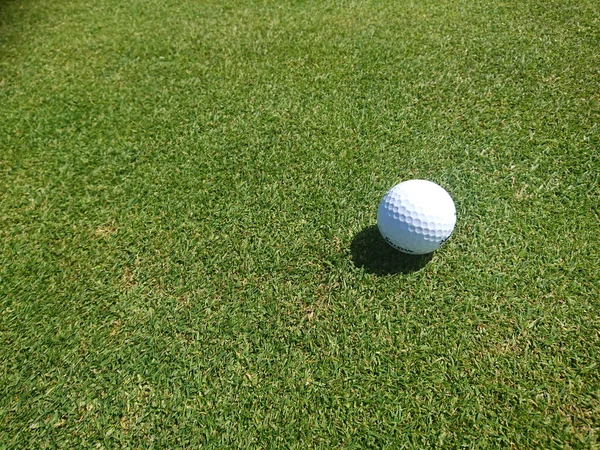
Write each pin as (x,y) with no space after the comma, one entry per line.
(188,250)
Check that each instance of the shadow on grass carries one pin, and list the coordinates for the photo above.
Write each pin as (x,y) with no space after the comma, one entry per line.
(4,5)
(371,252)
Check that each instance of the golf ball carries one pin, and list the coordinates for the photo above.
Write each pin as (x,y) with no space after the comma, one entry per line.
(416,216)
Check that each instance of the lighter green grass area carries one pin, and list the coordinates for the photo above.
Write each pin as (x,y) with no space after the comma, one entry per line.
(187,197)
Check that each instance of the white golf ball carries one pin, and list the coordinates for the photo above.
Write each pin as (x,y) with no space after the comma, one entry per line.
(416,216)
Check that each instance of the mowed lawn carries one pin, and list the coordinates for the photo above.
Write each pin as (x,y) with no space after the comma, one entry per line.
(188,194)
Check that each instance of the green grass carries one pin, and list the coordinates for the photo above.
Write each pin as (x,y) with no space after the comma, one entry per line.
(187,197)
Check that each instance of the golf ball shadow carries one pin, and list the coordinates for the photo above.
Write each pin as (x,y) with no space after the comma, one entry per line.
(371,253)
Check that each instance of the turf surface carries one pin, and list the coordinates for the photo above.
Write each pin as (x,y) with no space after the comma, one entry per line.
(188,193)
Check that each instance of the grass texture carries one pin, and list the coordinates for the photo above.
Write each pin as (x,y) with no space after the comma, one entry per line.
(188,194)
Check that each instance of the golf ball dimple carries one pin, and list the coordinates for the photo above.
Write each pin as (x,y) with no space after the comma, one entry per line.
(416,216)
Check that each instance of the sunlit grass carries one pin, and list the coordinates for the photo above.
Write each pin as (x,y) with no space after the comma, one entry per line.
(187,199)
